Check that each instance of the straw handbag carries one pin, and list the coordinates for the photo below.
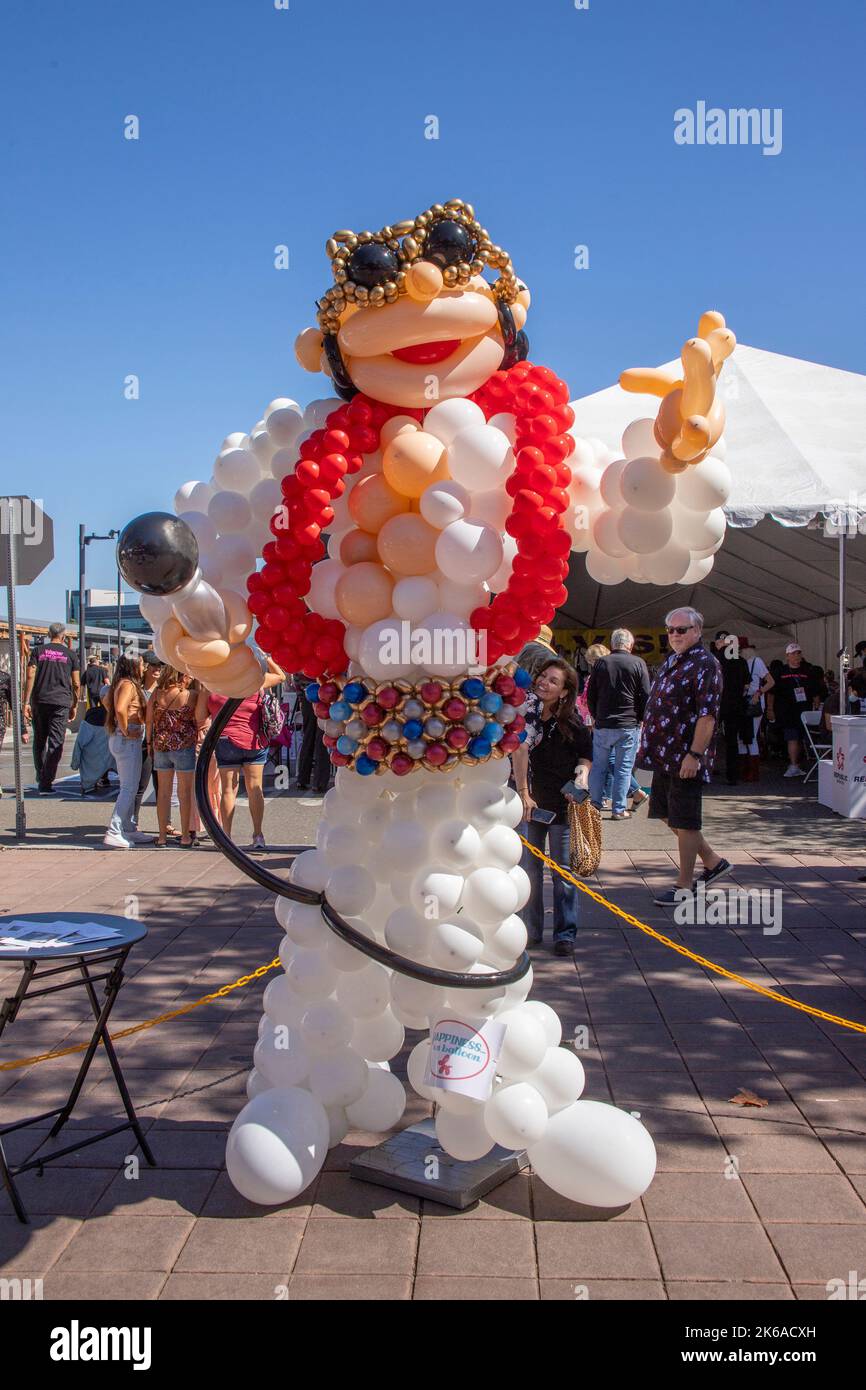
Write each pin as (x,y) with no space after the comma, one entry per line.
(584,824)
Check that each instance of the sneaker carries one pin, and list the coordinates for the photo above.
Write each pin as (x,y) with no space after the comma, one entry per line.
(672,897)
(116,841)
(710,875)
(563,947)
(139,837)
(794,771)
(258,842)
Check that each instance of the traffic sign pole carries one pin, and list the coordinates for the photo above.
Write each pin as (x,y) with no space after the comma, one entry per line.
(11,563)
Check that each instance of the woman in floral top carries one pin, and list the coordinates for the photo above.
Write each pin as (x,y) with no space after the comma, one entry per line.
(171,739)
(556,751)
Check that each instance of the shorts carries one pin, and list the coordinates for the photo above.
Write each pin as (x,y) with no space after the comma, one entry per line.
(229,754)
(174,760)
(791,732)
(677,800)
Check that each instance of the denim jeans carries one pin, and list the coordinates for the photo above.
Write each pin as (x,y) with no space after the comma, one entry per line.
(127,755)
(618,746)
(564,893)
(633,786)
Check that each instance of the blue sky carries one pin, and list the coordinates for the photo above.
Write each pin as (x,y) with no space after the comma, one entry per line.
(261,126)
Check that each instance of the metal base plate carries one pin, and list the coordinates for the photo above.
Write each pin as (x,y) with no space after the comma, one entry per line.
(414,1161)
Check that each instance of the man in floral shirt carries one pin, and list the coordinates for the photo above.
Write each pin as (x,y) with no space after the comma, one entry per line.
(677,739)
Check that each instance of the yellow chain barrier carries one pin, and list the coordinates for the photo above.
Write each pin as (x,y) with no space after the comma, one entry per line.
(555,868)
(684,950)
(149,1023)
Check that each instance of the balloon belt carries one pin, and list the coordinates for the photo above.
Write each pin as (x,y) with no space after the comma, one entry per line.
(453,979)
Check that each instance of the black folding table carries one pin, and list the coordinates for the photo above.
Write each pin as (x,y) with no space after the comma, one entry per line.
(69,966)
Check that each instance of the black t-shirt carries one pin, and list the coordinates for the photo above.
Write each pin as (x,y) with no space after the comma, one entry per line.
(54,665)
(617,690)
(95,677)
(787,704)
(735,679)
(552,763)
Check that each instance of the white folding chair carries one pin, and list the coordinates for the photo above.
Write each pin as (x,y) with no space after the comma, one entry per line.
(819,743)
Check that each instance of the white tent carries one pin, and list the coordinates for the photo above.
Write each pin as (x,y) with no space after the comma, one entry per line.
(795,440)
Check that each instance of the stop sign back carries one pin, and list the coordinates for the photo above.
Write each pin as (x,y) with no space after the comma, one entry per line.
(32,532)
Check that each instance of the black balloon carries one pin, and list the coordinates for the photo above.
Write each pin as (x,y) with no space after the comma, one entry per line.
(371,264)
(157,553)
(447,243)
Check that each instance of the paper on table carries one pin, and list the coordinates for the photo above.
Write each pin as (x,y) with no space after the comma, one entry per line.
(21,934)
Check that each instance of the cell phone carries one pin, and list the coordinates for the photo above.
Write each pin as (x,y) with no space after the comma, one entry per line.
(546,817)
(578,794)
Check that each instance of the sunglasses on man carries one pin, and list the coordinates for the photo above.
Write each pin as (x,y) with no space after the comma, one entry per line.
(680,631)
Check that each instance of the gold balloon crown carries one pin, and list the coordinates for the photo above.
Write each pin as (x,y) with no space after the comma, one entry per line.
(369,268)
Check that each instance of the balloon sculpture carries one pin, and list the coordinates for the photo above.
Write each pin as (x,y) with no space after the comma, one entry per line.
(415,532)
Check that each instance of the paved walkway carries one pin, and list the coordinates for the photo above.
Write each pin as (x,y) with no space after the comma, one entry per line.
(753,1203)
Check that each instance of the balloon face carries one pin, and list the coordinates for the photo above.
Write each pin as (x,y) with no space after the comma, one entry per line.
(157,553)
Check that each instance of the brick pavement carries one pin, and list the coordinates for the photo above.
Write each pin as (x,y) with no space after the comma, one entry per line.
(752,1203)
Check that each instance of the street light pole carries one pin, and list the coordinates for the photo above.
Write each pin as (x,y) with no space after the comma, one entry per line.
(83,541)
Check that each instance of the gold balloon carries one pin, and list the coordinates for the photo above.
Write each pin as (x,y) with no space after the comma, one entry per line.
(363,593)
(396,425)
(407,545)
(413,460)
(357,546)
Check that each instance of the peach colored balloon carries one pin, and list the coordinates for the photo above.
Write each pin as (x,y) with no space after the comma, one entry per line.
(407,544)
(397,425)
(193,653)
(357,546)
(414,460)
(363,593)
(373,501)
(239,618)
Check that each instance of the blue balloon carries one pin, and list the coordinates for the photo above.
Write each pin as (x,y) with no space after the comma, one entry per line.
(479,747)
(347,745)
(493,732)
(354,692)
(365,765)
(472,688)
(522,678)
(312,692)
(340,709)
(413,728)
(490,702)
(522,735)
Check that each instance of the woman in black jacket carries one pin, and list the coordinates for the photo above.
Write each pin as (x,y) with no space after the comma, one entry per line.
(556,751)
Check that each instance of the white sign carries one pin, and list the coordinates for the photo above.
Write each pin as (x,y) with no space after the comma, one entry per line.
(463,1055)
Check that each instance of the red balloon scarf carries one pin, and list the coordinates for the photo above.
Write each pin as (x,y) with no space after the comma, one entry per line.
(303,641)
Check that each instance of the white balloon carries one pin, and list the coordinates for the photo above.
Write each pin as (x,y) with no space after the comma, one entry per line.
(442,643)
(375,649)
(311,973)
(639,441)
(415,1002)
(407,933)
(494,507)
(698,569)
(609,487)
(338,1125)
(236,470)
(338,1078)
(379,1038)
(645,532)
(262,446)
(448,418)
(365,993)
(324,577)
(415,596)
(461,599)
(499,581)
(193,497)
(549,1020)
(280,1055)
(229,511)
(284,461)
(284,422)
(523,1046)
(480,458)
(310,869)
(265,497)
(595,1154)
(454,945)
(516,1116)
(605,534)
(339,843)
(444,502)
(434,801)
(500,848)
(436,891)
(704,486)
(463,1136)
(482,802)
(469,550)
(277,1145)
(256,1083)
(202,528)
(559,1079)
(281,1004)
(585,484)
(456,842)
(382,1104)
(350,889)
(520,879)
(508,942)
(505,422)
(325,1027)
(416,1070)
(154,609)
(668,566)
(696,530)
(645,485)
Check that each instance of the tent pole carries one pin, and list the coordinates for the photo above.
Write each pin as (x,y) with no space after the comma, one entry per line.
(843,654)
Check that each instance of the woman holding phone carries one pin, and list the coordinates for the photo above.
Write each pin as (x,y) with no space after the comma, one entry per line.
(551,768)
